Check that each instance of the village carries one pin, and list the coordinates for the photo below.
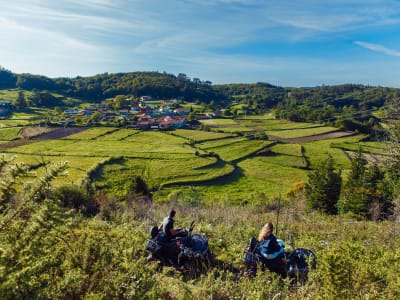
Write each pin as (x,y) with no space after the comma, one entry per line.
(144,114)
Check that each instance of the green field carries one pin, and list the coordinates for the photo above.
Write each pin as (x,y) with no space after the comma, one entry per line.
(365,147)
(91,133)
(209,144)
(9,134)
(221,166)
(275,124)
(240,149)
(219,122)
(199,136)
(300,132)
(78,166)
(317,151)
(233,129)
(117,135)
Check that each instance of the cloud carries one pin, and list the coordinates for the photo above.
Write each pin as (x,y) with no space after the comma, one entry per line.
(378,48)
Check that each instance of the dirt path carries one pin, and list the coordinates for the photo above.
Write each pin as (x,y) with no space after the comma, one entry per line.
(316,137)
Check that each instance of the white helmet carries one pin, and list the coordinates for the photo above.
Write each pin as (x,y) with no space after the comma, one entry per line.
(281,243)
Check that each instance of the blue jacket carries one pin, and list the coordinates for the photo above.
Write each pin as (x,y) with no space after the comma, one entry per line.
(270,249)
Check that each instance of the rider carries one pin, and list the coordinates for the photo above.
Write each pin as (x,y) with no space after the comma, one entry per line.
(271,251)
(168,226)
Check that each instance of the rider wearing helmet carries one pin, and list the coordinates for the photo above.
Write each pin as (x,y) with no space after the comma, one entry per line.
(271,251)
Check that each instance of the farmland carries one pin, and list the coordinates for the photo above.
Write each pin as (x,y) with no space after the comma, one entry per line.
(220,166)
(233,176)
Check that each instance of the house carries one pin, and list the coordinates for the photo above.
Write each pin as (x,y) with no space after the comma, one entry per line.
(135,106)
(71,111)
(172,122)
(145,124)
(146,110)
(91,107)
(5,108)
(123,112)
(66,123)
(145,98)
(181,111)
(165,110)
(218,113)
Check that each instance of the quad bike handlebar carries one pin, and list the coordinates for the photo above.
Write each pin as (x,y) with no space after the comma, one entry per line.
(191,226)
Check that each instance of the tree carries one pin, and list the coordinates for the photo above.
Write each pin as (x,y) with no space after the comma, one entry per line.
(21,101)
(355,197)
(7,79)
(323,187)
(367,192)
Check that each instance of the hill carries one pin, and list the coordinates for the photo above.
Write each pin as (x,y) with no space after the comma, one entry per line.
(348,106)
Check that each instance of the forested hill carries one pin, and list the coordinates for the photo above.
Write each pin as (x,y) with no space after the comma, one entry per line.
(306,104)
(99,87)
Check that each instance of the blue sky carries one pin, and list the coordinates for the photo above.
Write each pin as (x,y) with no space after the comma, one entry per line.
(286,43)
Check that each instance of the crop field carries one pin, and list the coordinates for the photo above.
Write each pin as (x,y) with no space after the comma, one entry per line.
(275,124)
(199,136)
(103,148)
(21,119)
(159,172)
(217,166)
(14,123)
(260,180)
(233,129)
(288,155)
(11,94)
(288,149)
(219,143)
(317,151)
(365,147)
(219,122)
(117,135)
(78,166)
(239,149)
(9,134)
(91,133)
(300,132)
(268,116)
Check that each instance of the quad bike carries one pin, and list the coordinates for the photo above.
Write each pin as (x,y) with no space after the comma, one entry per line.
(186,252)
(297,263)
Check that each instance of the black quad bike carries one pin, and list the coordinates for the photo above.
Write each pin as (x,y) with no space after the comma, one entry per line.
(297,262)
(187,252)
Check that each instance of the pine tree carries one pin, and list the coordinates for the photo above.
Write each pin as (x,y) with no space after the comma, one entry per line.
(323,187)
(21,101)
(367,192)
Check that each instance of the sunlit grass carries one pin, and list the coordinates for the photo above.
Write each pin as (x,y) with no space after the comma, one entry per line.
(9,134)
(199,135)
(91,133)
(296,133)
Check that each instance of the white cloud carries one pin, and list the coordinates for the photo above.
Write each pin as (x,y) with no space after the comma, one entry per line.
(378,48)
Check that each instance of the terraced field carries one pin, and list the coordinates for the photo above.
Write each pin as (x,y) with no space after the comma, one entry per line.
(10,133)
(219,166)
(201,136)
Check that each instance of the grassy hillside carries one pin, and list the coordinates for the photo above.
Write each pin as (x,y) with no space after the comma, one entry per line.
(218,167)
(92,258)
(230,184)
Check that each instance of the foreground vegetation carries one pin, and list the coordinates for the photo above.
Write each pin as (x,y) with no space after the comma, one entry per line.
(50,248)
